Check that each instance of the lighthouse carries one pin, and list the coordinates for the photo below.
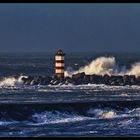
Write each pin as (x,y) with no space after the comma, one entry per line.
(59,63)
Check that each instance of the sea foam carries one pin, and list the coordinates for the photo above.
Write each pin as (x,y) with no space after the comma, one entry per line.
(105,65)
(11,81)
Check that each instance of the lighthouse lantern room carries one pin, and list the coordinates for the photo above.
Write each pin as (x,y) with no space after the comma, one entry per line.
(59,63)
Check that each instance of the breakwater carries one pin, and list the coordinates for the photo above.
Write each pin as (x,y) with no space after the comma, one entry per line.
(82,78)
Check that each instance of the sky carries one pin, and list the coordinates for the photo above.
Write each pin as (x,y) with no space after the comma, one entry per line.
(89,27)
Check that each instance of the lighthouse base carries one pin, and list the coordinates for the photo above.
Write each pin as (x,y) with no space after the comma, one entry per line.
(59,74)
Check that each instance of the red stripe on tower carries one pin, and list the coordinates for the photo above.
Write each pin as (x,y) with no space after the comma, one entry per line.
(59,63)
(59,68)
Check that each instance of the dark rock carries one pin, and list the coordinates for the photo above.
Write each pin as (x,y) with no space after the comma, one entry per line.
(132,80)
(105,79)
(44,80)
(138,80)
(78,78)
(86,79)
(82,78)
(68,80)
(35,80)
(78,75)
(129,79)
(28,80)
(96,79)
(116,80)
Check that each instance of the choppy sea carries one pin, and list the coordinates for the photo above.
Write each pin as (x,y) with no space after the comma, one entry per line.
(65,110)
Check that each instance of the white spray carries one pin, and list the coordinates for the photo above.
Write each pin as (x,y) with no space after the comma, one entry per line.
(101,65)
(105,65)
(135,69)
(11,81)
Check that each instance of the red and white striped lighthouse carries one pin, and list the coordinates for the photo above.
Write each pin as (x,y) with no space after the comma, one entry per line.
(59,63)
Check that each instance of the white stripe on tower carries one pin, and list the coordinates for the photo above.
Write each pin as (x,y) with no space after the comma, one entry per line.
(59,63)
(59,71)
(59,57)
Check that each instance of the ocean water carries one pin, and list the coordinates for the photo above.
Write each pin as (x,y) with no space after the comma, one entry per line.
(66,110)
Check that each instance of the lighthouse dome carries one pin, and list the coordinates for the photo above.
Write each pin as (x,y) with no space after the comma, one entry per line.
(60,52)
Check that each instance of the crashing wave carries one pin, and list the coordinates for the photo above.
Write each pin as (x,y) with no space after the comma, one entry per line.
(102,70)
(99,113)
(105,65)
(49,117)
(11,81)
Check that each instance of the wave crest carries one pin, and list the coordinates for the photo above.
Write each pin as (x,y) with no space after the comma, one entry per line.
(11,81)
(105,65)
(99,113)
(135,69)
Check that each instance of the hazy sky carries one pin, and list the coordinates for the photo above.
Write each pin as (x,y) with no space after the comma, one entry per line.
(71,27)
